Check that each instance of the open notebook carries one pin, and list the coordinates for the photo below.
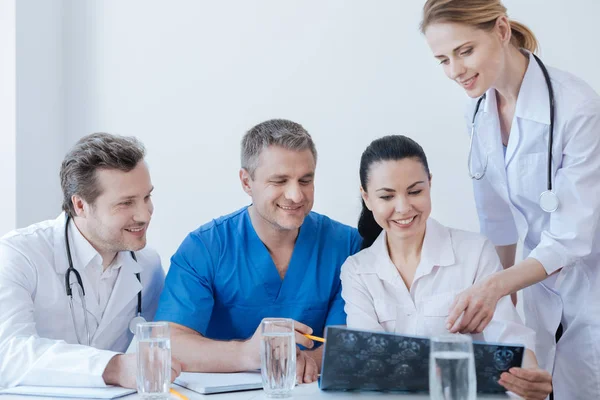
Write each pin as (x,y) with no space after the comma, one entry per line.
(111,392)
(206,383)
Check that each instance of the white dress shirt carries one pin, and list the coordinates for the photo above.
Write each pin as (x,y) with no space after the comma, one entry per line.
(101,282)
(451,261)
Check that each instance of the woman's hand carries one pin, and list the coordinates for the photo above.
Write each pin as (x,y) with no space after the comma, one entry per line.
(473,309)
(529,383)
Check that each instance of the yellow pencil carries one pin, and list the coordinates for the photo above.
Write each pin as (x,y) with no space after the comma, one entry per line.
(178,395)
(316,338)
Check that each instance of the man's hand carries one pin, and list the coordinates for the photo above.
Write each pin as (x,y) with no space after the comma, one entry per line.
(176,368)
(121,370)
(306,367)
(529,383)
(251,348)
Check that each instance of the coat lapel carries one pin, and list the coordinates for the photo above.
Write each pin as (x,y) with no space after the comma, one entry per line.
(125,291)
(60,252)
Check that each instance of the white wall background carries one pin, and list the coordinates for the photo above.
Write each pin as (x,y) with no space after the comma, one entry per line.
(190,77)
(8,116)
(40,140)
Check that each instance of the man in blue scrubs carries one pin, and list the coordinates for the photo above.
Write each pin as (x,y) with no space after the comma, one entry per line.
(274,258)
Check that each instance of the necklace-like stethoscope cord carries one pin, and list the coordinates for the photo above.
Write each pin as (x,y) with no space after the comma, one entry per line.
(548,199)
(80,289)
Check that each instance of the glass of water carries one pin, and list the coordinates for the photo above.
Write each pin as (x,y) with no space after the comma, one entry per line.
(153,360)
(452,368)
(278,357)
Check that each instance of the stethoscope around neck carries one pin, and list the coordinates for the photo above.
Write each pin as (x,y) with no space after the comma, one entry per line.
(548,199)
(138,319)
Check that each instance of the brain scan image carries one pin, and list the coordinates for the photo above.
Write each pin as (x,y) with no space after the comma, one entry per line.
(374,367)
(503,358)
(409,349)
(377,344)
(403,370)
(348,340)
(478,352)
(346,362)
(363,355)
(363,360)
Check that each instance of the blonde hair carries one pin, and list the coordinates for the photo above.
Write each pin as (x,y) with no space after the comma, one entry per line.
(481,14)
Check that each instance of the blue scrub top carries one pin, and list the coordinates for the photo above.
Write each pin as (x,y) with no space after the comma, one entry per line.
(222,281)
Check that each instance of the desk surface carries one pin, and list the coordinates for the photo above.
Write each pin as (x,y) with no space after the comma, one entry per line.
(307,391)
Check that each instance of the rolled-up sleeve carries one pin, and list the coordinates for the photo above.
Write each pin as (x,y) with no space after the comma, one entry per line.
(573,228)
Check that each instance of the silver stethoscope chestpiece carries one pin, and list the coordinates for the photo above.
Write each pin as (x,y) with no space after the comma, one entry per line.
(549,201)
(135,321)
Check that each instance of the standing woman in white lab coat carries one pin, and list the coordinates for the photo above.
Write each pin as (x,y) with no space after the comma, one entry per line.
(535,164)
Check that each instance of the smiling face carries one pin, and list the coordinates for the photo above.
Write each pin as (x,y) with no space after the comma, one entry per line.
(399,195)
(282,186)
(472,57)
(118,218)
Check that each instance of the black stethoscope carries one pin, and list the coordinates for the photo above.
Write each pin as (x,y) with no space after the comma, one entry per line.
(548,199)
(138,319)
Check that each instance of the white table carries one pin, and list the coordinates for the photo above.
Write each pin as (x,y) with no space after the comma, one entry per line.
(304,392)
(307,391)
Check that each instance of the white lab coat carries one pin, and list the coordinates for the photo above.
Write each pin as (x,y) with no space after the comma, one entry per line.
(38,344)
(507,200)
(452,260)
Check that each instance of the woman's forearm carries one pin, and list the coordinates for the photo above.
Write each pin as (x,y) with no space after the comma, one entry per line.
(523,274)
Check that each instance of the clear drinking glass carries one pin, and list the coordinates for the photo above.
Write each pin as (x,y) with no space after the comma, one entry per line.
(278,357)
(452,368)
(153,360)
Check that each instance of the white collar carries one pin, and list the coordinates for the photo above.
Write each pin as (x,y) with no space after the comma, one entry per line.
(532,102)
(84,254)
(437,250)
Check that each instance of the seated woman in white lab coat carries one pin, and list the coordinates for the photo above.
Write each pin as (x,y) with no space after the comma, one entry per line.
(412,267)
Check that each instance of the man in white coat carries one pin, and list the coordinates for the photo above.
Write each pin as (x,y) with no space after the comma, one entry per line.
(102,233)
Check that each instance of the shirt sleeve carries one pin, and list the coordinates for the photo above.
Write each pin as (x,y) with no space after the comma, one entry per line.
(574,226)
(359,308)
(25,357)
(187,298)
(506,326)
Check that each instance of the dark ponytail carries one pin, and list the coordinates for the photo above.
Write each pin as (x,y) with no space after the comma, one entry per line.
(367,227)
(387,148)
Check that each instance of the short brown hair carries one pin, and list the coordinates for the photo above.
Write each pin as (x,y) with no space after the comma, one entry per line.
(93,152)
(279,132)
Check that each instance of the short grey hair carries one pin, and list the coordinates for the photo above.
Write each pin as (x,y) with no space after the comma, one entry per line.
(279,132)
(93,152)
